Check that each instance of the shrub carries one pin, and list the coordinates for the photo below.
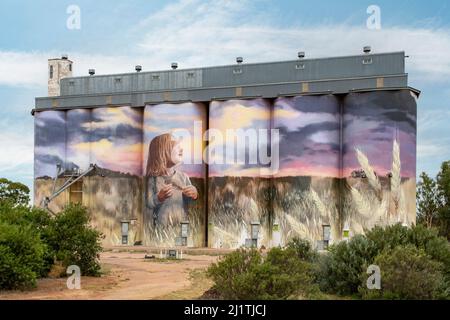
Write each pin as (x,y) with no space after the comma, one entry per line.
(74,241)
(389,237)
(436,247)
(406,273)
(339,271)
(228,274)
(244,275)
(303,249)
(21,256)
(36,219)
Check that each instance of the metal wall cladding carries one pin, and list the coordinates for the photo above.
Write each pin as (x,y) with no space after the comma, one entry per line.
(351,67)
(379,158)
(306,185)
(239,194)
(184,123)
(78,150)
(135,82)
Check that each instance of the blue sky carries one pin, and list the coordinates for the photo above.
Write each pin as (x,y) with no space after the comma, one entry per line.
(116,35)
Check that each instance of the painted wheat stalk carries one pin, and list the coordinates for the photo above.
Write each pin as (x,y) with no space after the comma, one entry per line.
(318,203)
(362,204)
(382,210)
(369,171)
(396,175)
(402,211)
(297,227)
(224,234)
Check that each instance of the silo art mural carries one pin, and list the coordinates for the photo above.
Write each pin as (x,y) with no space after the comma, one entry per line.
(237,172)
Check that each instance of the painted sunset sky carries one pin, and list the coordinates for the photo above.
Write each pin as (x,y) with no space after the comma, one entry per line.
(117,138)
(309,135)
(371,123)
(236,114)
(108,137)
(179,120)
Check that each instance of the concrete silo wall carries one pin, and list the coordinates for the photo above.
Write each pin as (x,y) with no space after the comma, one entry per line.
(306,186)
(379,159)
(343,164)
(49,151)
(182,124)
(239,189)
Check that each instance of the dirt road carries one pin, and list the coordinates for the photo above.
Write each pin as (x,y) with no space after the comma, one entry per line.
(130,276)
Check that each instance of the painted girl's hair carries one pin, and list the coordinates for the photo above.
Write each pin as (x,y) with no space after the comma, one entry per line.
(159,155)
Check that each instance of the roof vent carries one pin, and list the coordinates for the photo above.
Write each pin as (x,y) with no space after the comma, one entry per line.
(91,72)
(174,65)
(65,57)
(367,49)
(301,54)
(138,68)
(239,60)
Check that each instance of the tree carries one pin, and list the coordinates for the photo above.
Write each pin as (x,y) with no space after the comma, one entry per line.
(443,183)
(443,186)
(14,192)
(428,200)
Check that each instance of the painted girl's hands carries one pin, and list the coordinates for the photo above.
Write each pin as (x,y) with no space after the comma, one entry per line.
(191,192)
(165,192)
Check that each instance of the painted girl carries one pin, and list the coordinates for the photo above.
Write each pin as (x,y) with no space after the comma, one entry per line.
(168,188)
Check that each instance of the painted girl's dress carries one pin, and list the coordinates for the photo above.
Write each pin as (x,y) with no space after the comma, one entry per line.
(174,209)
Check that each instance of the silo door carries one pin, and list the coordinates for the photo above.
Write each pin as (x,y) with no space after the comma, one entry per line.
(125,226)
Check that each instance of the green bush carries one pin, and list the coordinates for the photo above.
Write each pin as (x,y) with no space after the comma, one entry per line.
(339,271)
(66,238)
(245,275)
(406,273)
(21,256)
(438,248)
(74,241)
(36,219)
(303,249)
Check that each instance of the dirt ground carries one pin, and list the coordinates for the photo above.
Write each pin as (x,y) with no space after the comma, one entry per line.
(127,275)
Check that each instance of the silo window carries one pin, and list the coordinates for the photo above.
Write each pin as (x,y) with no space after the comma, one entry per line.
(237,71)
(155,77)
(70,67)
(191,75)
(367,61)
(51,72)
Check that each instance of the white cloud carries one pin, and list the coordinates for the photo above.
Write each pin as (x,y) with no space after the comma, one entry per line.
(199,33)
(214,32)
(202,33)
(17,150)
